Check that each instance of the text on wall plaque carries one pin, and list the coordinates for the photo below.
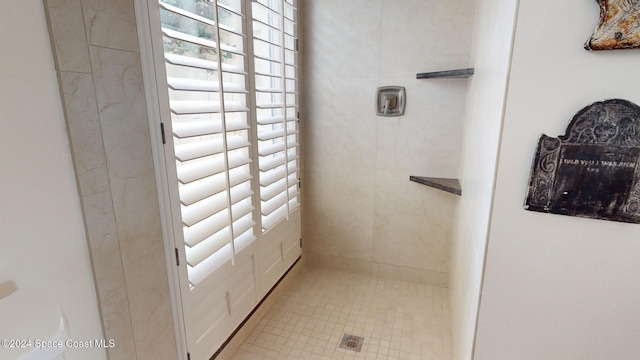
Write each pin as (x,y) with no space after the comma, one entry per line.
(591,171)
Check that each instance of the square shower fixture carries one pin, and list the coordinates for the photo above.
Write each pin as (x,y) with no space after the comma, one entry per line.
(390,101)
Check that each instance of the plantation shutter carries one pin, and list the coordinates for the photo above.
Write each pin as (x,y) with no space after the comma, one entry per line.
(206,64)
(275,68)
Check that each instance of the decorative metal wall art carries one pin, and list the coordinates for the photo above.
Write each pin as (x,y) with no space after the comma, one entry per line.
(619,26)
(592,171)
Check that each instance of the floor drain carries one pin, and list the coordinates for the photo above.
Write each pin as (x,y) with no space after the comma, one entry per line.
(351,342)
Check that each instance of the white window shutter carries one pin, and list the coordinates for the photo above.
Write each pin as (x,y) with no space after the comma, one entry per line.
(275,70)
(232,154)
(207,81)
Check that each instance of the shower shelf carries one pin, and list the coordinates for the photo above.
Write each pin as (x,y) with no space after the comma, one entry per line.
(458,73)
(444,184)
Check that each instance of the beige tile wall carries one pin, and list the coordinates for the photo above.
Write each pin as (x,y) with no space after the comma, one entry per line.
(361,213)
(98,62)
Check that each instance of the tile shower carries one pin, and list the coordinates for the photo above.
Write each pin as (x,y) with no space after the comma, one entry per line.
(361,213)
(397,319)
(362,216)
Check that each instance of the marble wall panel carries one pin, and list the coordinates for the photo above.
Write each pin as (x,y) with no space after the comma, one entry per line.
(117,76)
(407,45)
(323,148)
(120,94)
(339,263)
(343,125)
(412,224)
(85,132)
(342,37)
(404,273)
(111,24)
(109,273)
(66,25)
(340,208)
(125,130)
(317,212)
(127,145)
(427,139)
(352,208)
(454,21)
(150,305)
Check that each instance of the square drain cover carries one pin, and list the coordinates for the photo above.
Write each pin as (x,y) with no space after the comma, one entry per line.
(351,342)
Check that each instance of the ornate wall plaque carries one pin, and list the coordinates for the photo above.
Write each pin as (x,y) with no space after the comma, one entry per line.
(619,26)
(592,171)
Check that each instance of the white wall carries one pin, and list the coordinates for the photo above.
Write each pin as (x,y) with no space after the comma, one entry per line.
(557,287)
(483,120)
(360,212)
(41,229)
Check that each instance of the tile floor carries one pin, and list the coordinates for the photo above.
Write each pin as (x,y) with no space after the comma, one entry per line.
(398,320)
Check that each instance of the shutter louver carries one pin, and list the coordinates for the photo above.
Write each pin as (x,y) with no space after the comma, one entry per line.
(275,62)
(207,82)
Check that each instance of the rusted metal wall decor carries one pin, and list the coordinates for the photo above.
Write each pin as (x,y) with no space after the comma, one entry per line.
(592,171)
(619,26)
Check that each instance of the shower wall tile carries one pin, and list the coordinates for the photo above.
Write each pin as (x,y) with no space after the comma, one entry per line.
(454,21)
(413,224)
(85,132)
(111,24)
(339,263)
(408,44)
(403,273)
(117,324)
(317,208)
(109,274)
(341,207)
(323,149)
(339,32)
(125,130)
(317,211)
(117,75)
(343,124)
(66,25)
(349,49)
(149,300)
(119,88)
(427,139)
(433,35)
